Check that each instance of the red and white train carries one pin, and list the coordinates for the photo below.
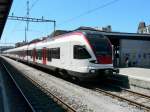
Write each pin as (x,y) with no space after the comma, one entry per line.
(79,54)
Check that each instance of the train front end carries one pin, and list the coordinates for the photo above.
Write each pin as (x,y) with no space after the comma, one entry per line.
(101,63)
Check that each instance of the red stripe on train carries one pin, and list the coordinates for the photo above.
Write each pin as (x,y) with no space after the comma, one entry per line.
(104,59)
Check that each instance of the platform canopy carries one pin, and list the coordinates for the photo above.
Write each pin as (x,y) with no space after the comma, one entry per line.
(115,37)
(5,6)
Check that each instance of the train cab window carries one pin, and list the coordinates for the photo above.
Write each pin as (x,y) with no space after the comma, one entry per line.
(100,44)
(55,53)
(80,52)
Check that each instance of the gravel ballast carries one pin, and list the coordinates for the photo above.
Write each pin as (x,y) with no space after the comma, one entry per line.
(80,98)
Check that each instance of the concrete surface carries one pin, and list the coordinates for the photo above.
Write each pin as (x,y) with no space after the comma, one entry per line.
(137,76)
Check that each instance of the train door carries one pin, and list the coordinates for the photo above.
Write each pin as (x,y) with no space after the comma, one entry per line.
(34,55)
(44,55)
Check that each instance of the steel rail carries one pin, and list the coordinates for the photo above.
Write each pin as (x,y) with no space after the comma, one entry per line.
(54,97)
(133,92)
(32,108)
(147,108)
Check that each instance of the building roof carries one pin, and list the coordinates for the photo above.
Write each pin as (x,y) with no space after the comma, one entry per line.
(115,37)
(121,35)
(5,6)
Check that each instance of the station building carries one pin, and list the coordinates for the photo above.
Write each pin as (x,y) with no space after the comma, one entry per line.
(143,28)
(132,46)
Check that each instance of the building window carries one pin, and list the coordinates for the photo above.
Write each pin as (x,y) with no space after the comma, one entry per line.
(55,53)
(80,52)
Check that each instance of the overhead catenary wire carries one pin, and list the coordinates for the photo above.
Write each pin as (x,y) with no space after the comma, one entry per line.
(34,3)
(89,11)
(30,8)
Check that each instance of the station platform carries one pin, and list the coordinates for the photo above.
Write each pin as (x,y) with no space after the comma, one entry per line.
(137,76)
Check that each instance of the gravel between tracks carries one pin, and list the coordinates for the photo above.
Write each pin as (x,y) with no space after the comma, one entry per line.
(82,99)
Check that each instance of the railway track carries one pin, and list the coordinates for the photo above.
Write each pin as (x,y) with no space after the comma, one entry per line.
(137,99)
(16,101)
(37,97)
(134,98)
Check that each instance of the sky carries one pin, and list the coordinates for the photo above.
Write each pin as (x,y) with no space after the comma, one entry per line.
(122,15)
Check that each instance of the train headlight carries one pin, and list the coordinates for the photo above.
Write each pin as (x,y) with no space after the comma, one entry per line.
(92,71)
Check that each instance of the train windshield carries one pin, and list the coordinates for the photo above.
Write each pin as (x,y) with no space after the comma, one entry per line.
(100,44)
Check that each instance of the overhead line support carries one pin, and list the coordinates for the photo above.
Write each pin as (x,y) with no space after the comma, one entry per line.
(29,19)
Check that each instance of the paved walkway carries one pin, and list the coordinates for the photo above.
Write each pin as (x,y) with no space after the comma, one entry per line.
(138,73)
(137,76)
(4,95)
(1,96)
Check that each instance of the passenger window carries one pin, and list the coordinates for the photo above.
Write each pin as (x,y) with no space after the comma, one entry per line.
(39,54)
(49,57)
(80,52)
(31,53)
(55,53)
